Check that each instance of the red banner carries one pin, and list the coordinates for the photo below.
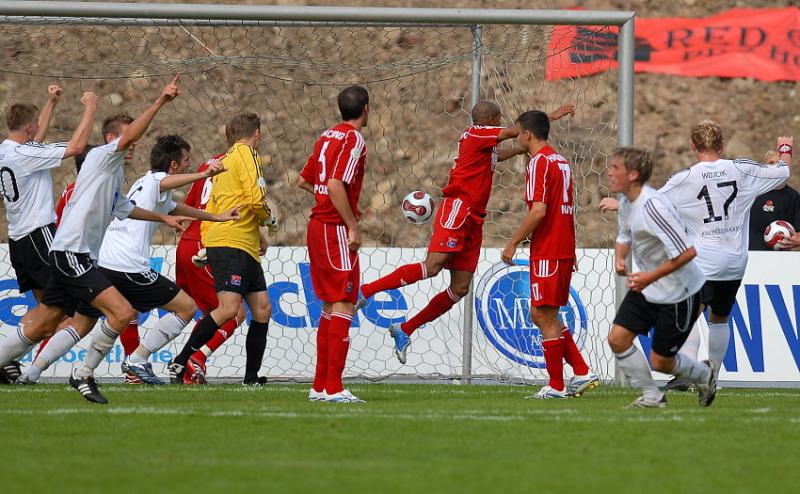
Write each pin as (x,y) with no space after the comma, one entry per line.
(758,43)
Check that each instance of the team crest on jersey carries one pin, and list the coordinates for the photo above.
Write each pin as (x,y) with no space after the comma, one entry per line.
(349,288)
(769,206)
(452,242)
(236,280)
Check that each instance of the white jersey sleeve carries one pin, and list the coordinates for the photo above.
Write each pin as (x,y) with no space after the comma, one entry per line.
(761,178)
(663,222)
(34,157)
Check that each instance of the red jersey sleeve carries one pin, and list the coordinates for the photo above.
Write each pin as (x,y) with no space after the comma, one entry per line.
(488,136)
(536,188)
(345,167)
(63,200)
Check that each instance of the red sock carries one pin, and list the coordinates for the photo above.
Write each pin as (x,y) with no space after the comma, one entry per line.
(572,355)
(41,347)
(438,305)
(402,276)
(554,359)
(338,344)
(321,373)
(130,338)
(216,341)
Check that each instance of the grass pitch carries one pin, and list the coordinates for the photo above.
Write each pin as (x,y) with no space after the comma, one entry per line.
(409,438)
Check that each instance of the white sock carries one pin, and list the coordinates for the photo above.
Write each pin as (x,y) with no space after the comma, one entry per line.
(14,345)
(168,329)
(102,342)
(57,347)
(634,365)
(690,369)
(692,344)
(719,334)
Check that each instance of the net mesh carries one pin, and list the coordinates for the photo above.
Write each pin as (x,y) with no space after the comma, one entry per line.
(419,82)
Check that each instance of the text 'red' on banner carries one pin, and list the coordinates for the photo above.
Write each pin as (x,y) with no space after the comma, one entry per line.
(762,44)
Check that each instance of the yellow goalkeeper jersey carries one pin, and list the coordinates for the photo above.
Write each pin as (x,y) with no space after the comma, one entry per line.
(242,185)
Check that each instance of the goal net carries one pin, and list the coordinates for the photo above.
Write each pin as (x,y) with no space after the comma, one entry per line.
(420,83)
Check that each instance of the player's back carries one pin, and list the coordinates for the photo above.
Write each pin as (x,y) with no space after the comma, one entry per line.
(339,153)
(471,176)
(549,181)
(714,200)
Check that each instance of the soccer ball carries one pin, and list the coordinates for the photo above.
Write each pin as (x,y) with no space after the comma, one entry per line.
(777,231)
(418,207)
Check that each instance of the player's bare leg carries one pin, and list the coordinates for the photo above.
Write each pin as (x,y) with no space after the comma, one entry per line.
(181,311)
(406,275)
(118,312)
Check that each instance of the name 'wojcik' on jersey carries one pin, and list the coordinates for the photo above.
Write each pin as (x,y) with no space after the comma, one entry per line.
(714,200)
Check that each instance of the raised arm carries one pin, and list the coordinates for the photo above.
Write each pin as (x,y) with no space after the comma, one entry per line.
(215,167)
(80,137)
(54,92)
(198,214)
(176,222)
(138,127)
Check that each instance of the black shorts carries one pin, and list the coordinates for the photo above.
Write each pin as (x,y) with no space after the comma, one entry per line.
(75,282)
(235,270)
(720,296)
(30,258)
(145,291)
(672,322)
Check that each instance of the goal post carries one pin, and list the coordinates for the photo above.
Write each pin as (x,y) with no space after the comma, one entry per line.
(425,69)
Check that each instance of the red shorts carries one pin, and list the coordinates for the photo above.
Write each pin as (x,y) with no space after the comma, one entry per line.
(197,282)
(335,270)
(457,229)
(550,282)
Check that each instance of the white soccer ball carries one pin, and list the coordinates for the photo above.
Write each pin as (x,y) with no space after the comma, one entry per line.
(418,207)
(777,231)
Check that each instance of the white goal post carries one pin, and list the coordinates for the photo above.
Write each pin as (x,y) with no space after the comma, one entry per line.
(425,69)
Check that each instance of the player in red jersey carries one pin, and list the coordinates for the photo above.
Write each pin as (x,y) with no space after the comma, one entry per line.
(458,223)
(334,173)
(551,225)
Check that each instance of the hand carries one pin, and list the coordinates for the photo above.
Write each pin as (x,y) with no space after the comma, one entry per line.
(789,243)
(272,226)
(639,281)
(171,90)
(620,267)
(230,215)
(215,167)
(608,205)
(509,252)
(54,91)
(201,258)
(354,239)
(262,244)
(562,112)
(177,223)
(89,99)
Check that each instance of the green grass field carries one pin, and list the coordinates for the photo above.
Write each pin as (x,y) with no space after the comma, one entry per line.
(408,438)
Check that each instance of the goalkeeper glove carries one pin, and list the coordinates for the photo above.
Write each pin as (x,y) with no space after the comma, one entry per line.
(201,259)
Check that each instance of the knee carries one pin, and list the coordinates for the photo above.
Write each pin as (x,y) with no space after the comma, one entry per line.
(662,364)
(433,267)
(617,343)
(537,316)
(460,290)
(186,309)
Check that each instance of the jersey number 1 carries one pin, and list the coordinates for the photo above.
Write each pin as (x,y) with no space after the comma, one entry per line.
(712,217)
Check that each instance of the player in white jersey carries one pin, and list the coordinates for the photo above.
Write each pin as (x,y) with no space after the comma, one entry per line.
(77,286)
(125,261)
(665,294)
(27,190)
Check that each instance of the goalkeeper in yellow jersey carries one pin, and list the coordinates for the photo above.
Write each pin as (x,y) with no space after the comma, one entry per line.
(234,251)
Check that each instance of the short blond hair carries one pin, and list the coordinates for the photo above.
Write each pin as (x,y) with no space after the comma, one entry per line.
(636,159)
(707,137)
